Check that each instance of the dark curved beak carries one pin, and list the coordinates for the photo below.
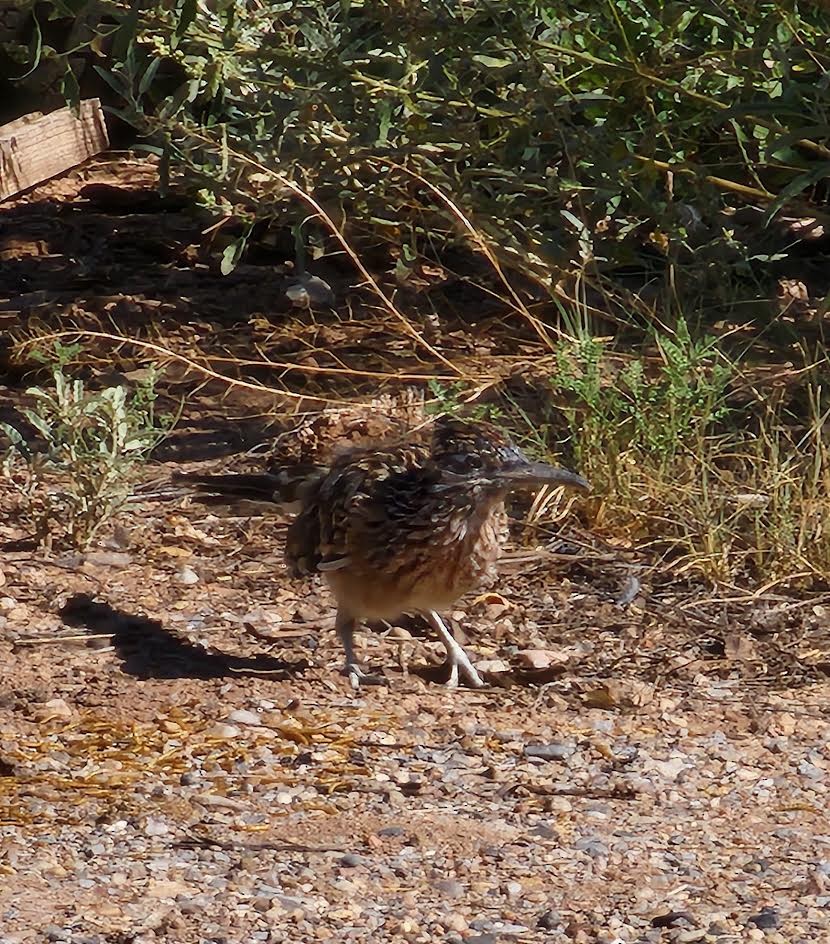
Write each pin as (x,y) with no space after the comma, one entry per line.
(537,474)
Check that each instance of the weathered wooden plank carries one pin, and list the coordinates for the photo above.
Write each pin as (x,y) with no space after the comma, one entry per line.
(37,147)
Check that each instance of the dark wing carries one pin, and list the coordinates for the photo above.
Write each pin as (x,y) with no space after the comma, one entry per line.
(302,540)
(362,506)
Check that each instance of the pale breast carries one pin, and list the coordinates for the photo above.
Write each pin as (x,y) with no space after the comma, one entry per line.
(425,574)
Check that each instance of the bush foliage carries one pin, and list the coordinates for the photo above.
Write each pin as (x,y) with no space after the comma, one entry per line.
(572,133)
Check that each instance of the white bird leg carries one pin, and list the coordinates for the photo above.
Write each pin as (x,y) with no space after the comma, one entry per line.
(457,658)
(345,626)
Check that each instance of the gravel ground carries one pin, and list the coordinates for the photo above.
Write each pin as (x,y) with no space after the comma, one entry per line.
(169,774)
(180,760)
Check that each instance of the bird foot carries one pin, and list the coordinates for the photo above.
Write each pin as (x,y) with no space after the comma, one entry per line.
(457,658)
(358,677)
(461,667)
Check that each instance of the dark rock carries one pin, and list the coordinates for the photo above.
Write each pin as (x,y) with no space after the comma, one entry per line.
(549,921)
(671,919)
(766,919)
(351,860)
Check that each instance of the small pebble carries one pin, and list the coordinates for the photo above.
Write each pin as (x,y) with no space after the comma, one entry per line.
(560,752)
(351,860)
(187,576)
(671,919)
(109,558)
(449,887)
(549,920)
(223,731)
(243,716)
(766,919)
(156,827)
(455,922)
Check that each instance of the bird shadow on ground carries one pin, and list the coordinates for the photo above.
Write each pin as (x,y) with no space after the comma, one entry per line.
(148,650)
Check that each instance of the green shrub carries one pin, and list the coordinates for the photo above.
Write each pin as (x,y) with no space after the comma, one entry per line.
(653,409)
(79,478)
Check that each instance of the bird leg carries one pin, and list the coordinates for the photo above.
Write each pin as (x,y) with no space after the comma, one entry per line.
(457,658)
(345,626)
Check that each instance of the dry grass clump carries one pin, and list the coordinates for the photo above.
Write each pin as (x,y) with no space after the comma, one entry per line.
(734,493)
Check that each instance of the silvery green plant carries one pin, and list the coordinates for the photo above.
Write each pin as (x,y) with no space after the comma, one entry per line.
(77,476)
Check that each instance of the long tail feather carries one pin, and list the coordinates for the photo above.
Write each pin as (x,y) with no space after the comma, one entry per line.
(259,487)
(280,487)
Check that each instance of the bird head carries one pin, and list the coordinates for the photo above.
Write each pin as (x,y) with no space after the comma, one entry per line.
(475,448)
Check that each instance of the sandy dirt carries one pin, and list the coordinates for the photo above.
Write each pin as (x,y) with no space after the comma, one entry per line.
(180,759)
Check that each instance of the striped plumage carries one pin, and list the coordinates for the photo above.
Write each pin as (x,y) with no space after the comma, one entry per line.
(401,528)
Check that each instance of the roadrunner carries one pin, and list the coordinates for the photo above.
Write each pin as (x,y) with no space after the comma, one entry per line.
(400,529)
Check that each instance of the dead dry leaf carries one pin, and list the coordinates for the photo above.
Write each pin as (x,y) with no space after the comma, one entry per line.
(740,648)
(628,693)
(544,658)
(171,550)
(493,666)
